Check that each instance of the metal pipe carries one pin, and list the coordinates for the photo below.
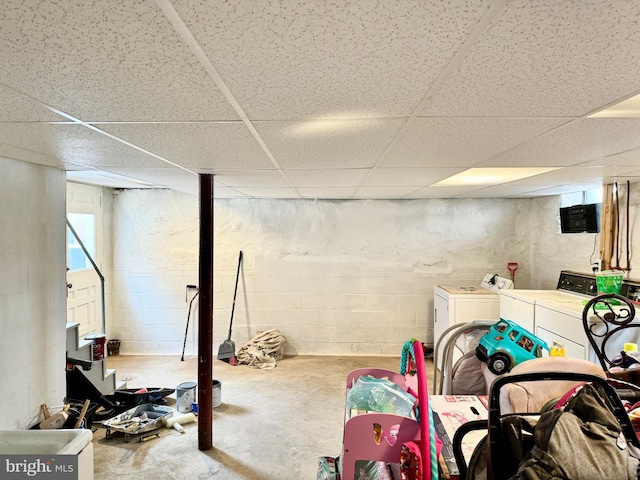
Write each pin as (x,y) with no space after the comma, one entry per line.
(205,317)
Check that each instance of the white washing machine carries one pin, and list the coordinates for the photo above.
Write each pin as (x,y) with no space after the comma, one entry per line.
(556,315)
(519,305)
(560,319)
(454,304)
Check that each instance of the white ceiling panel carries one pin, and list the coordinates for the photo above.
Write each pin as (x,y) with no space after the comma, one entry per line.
(561,189)
(74,144)
(248,178)
(301,59)
(462,142)
(168,177)
(416,177)
(442,192)
(197,146)
(328,144)
(579,141)
(628,158)
(571,175)
(17,108)
(111,60)
(502,191)
(345,177)
(266,192)
(328,192)
(384,192)
(546,58)
(26,155)
(307,99)
(225,192)
(106,179)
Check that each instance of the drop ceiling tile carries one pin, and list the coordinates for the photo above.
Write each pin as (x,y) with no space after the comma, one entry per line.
(29,156)
(502,191)
(461,142)
(546,58)
(328,192)
(224,192)
(106,179)
(197,146)
(442,192)
(295,59)
(561,190)
(572,175)
(73,143)
(327,144)
(248,178)
(105,61)
(345,177)
(408,177)
(169,177)
(266,192)
(577,142)
(384,192)
(628,158)
(17,108)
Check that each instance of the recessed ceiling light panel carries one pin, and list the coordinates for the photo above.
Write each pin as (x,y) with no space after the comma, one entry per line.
(491,176)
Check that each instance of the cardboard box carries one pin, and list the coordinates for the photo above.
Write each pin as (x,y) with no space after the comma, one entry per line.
(451,411)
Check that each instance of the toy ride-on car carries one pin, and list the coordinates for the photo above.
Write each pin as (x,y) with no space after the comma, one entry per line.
(507,344)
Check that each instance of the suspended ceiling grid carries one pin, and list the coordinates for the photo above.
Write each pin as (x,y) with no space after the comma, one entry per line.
(312,99)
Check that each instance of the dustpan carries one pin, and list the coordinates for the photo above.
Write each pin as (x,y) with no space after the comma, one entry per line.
(227,350)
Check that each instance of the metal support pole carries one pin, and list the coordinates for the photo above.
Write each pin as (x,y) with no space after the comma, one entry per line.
(205,321)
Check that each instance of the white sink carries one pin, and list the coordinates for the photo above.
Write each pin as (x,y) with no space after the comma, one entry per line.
(51,442)
(63,442)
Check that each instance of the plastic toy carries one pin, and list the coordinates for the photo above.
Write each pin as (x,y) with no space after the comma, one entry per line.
(508,344)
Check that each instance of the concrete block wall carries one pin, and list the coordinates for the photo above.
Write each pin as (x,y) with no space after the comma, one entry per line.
(335,277)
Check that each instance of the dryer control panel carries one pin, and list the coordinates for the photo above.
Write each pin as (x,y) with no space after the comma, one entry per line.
(581,283)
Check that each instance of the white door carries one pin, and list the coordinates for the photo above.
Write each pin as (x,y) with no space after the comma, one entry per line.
(84,300)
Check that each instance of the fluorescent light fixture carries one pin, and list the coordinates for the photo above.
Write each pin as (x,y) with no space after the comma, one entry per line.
(491,176)
(629,108)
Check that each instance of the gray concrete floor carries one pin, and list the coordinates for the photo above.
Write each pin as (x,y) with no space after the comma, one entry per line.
(272,424)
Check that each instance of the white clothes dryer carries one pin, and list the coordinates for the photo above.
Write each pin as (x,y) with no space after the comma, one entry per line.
(461,304)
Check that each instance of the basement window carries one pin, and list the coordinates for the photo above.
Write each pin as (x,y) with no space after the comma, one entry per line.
(581,198)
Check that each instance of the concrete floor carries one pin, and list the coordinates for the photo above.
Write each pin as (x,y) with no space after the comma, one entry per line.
(272,424)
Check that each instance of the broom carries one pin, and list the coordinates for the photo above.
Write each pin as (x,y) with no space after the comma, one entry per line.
(227,350)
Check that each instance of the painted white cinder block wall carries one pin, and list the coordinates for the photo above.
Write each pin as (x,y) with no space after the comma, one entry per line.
(32,291)
(335,277)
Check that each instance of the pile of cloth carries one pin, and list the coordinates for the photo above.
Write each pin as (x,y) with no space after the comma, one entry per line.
(264,350)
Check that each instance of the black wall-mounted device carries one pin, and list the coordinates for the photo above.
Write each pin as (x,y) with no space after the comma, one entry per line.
(580,219)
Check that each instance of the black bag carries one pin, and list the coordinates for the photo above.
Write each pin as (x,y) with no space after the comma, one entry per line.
(590,438)
(583,440)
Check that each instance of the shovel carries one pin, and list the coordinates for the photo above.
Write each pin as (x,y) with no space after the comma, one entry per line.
(227,350)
